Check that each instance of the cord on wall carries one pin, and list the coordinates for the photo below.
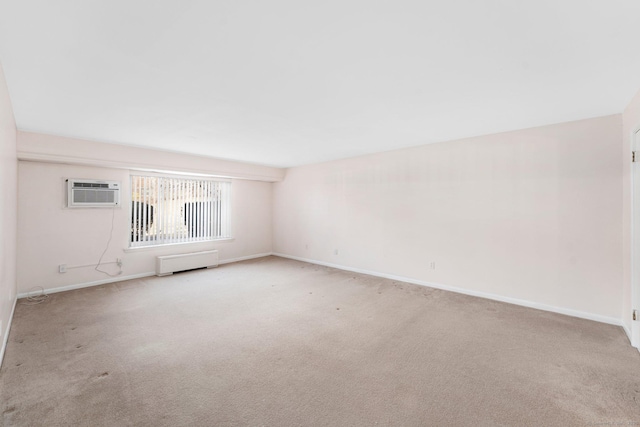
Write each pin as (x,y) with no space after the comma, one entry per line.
(64,267)
(97,267)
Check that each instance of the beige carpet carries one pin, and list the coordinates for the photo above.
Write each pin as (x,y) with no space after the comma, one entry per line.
(277,342)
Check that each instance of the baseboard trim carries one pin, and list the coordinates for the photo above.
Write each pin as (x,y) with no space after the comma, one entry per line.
(487,295)
(628,332)
(5,341)
(131,277)
(244,258)
(90,284)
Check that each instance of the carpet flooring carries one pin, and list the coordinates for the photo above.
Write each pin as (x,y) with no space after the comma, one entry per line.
(276,342)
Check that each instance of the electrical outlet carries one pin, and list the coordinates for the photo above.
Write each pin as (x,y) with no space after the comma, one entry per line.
(336,252)
(432,264)
(119,262)
(62,268)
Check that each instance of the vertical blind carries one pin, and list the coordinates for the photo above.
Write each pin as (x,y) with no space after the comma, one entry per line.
(178,210)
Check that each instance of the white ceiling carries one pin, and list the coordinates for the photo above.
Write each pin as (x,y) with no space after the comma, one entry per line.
(289,82)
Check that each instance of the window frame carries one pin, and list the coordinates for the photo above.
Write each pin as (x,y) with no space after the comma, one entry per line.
(187,240)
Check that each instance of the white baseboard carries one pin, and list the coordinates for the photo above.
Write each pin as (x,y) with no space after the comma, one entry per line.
(627,331)
(89,284)
(244,258)
(495,297)
(130,277)
(6,335)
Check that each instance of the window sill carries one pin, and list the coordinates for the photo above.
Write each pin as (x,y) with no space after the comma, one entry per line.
(181,244)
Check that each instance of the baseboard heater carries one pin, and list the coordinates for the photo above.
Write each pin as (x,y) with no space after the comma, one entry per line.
(170,264)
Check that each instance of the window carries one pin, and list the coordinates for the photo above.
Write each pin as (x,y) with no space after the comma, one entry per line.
(178,210)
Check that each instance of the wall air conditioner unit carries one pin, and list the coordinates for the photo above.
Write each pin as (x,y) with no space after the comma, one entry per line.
(89,193)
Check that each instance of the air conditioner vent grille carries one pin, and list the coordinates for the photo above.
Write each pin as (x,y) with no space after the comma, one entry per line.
(93,196)
(90,185)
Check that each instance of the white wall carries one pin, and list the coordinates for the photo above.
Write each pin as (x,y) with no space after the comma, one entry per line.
(631,122)
(532,215)
(8,210)
(51,234)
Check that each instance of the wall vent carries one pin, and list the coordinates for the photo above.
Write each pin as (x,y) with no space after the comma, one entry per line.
(170,264)
(90,193)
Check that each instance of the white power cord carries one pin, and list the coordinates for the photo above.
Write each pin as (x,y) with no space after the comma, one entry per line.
(97,267)
(35,299)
